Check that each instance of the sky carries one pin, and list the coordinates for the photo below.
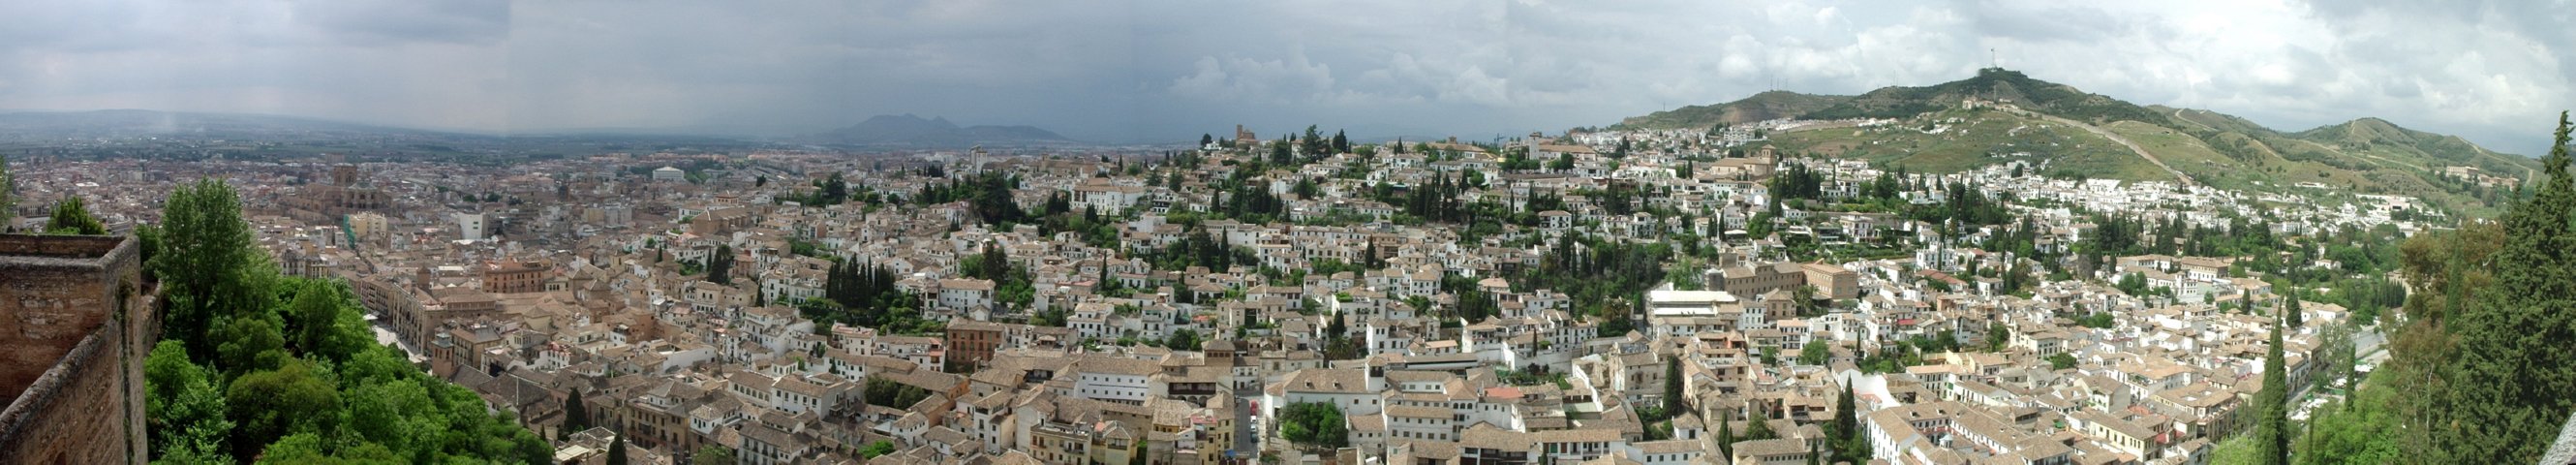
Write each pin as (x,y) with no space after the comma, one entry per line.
(2496,72)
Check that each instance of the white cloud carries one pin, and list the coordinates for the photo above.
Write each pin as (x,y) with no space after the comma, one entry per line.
(1159,69)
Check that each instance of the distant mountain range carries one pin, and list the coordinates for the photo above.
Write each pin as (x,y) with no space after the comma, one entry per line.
(2070,133)
(936,132)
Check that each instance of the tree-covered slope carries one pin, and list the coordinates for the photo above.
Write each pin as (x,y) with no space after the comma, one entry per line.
(1935,132)
(1990,84)
(1759,107)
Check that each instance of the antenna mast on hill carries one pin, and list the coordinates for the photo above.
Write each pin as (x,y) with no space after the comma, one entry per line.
(1993,59)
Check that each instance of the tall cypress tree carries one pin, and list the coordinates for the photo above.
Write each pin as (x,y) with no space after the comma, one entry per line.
(2290,311)
(2510,379)
(2272,436)
(1845,427)
(617,451)
(576,415)
(1726,436)
(720,267)
(1673,405)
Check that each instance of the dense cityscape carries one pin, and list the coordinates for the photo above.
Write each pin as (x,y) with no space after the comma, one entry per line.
(1148,232)
(1637,296)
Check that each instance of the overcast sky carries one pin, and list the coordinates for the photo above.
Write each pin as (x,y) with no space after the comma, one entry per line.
(1153,70)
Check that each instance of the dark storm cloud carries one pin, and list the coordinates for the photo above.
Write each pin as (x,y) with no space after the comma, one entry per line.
(1154,70)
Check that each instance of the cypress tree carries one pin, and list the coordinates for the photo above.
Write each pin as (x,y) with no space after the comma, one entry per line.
(1845,427)
(617,451)
(1726,436)
(576,415)
(1673,406)
(720,267)
(2290,311)
(2511,375)
(2272,435)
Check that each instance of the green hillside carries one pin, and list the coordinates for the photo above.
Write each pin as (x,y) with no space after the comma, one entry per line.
(1993,84)
(1969,139)
(2363,156)
(2367,156)
(1763,106)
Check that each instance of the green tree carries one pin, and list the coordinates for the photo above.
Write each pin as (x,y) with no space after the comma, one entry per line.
(720,267)
(71,216)
(184,409)
(876,449)
(617,450)
(712,455)
(315,314)
(1318,424)
(2272,434)
(1182,339)
(2061,361)
(270,404)
(1726,437)
(2236,450)
(299,448)
(2508,384)
(1815,354)
(1845,427)
(1673,396)
(388,412)
(2362,429)
(250,342)
(576,415)
(1759,425)
(8,191)
(208,268)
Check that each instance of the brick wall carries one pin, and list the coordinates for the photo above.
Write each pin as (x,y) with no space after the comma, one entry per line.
(75,379)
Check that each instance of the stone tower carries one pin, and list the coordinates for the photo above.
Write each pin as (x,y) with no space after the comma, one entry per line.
(76,321)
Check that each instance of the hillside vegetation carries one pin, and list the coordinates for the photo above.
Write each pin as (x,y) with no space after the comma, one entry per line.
(1993,84)
(1759,107)
(1958,140)
(2362,156)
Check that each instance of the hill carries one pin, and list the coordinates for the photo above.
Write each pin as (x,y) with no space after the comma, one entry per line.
(913,131)
(1763,106)
(2069,133)
(1992,84)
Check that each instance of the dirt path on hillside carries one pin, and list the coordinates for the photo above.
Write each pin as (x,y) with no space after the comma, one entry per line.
(2124,141)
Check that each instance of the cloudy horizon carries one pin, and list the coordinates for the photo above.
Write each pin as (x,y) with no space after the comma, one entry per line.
(1155,70)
